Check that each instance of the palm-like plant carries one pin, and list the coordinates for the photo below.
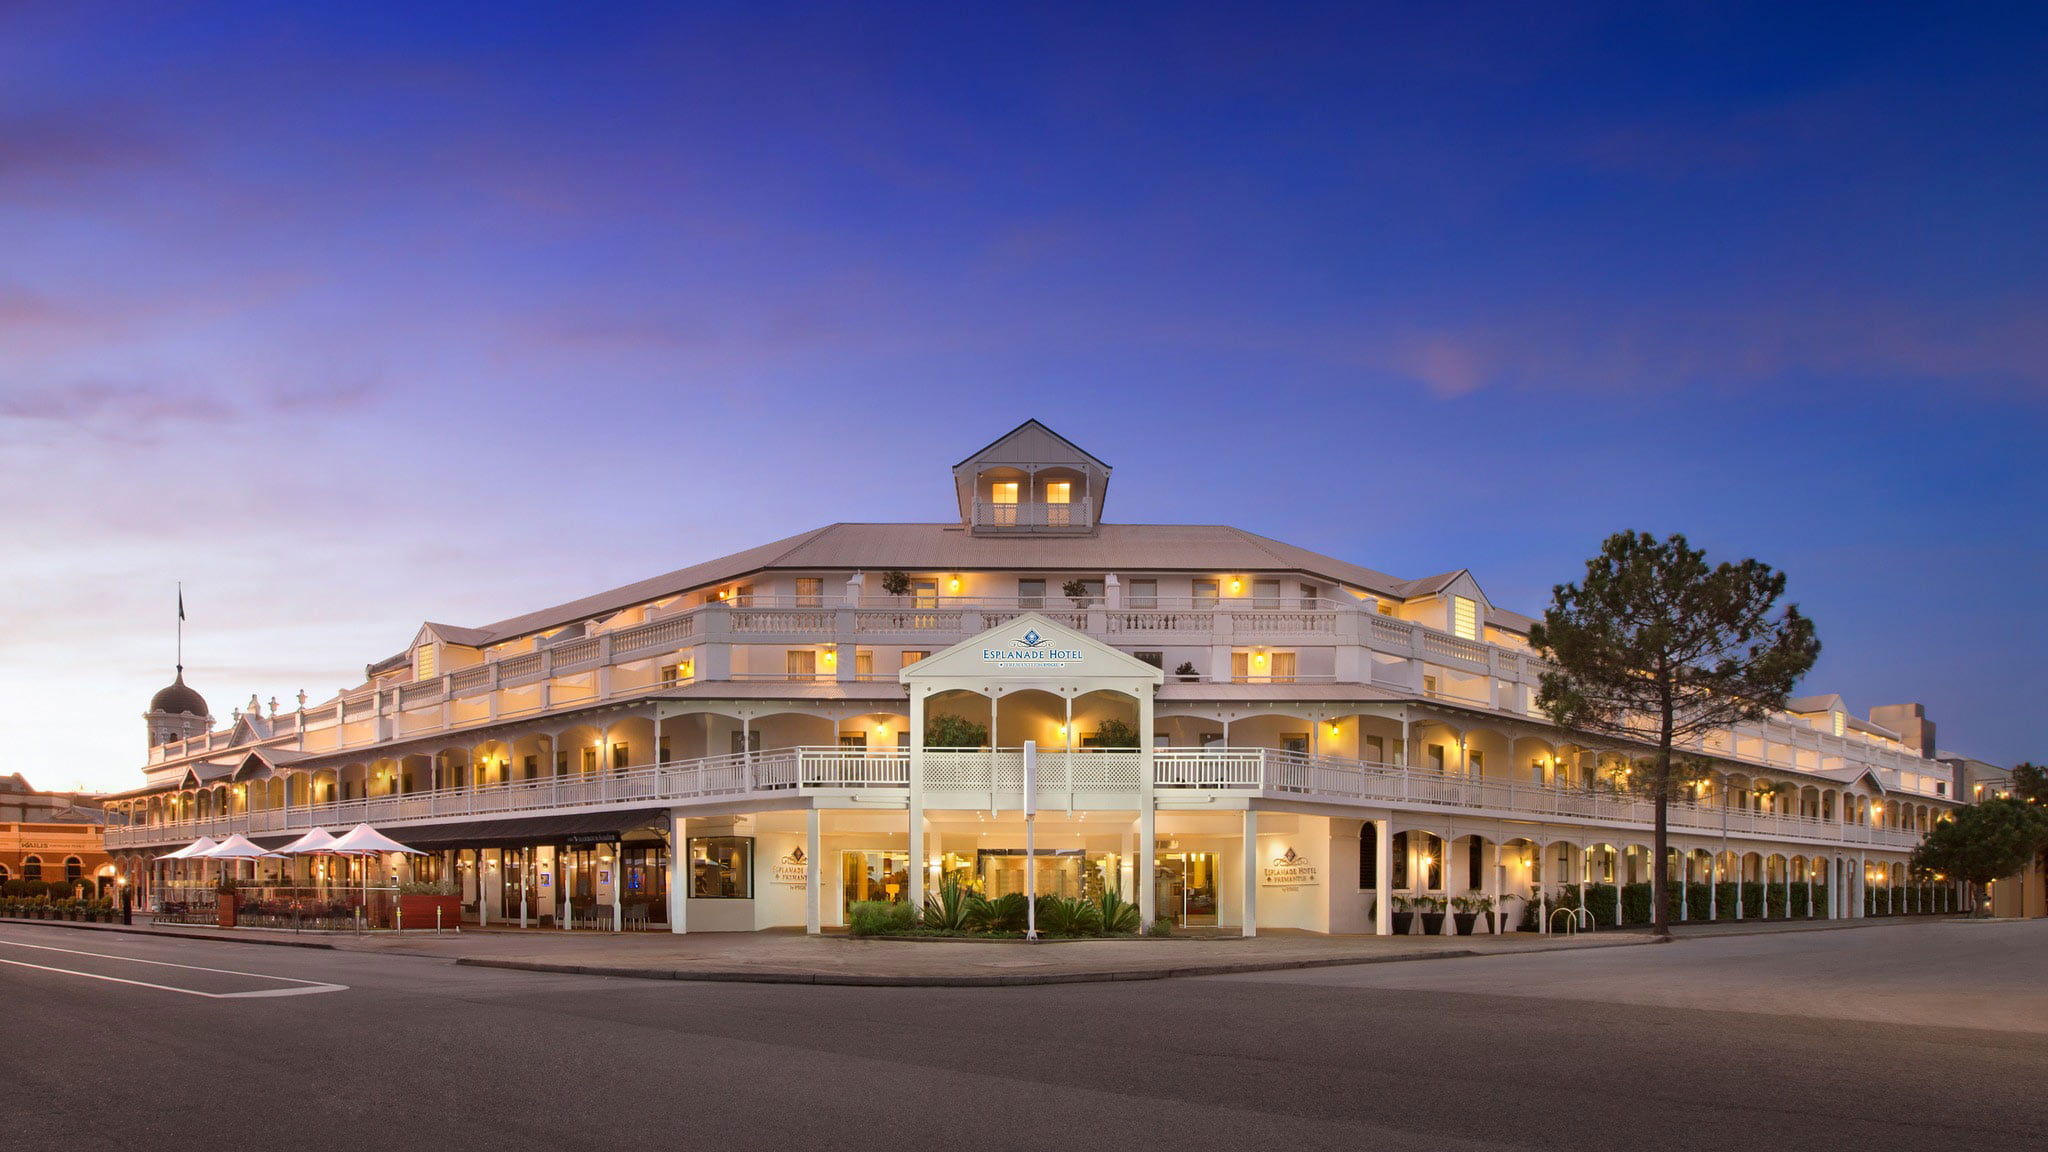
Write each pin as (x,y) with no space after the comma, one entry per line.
(1118,914)
(950,908)
(1002,914)
(1066,916)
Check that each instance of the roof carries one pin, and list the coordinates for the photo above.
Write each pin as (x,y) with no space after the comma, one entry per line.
(178,698)
(1428,585)
(1808,705)
(1029,424)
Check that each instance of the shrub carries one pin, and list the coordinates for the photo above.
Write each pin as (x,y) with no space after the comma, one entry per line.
(896,582)
(1162,926)
(1068,916)
(1185,671)
(947,731)
(1003,914)
(879,918)
(1118,914)
(1116,734)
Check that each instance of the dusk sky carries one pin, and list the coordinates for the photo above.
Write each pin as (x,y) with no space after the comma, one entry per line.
(351,319)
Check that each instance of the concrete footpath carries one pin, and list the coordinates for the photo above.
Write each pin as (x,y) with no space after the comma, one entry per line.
(795,958)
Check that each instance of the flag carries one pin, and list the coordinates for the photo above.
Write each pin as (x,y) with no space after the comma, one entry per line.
(181,604)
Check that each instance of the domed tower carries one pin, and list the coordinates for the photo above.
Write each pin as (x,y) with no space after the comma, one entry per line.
(176,713)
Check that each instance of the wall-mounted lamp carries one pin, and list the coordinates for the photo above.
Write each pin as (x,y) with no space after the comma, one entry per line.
(1236,585)
(953,585)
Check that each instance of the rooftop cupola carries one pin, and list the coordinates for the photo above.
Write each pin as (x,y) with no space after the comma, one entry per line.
(1031,480)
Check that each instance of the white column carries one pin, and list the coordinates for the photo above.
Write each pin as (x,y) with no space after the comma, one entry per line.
(1251,871)
(678,872)
(916,793)
(1383,876)
(618,885)
(1714,887)
(483,895)
(1147,812)
(1500,870)
(813,912)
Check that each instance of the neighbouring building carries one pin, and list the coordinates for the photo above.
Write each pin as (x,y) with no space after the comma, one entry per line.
(1230,729)
(52,836)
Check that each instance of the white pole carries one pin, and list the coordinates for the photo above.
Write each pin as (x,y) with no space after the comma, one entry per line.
(1030,812)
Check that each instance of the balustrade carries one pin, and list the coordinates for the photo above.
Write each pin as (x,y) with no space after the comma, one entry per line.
(994,777)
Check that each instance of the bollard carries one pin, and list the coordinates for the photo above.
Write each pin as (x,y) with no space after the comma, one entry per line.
(437,919)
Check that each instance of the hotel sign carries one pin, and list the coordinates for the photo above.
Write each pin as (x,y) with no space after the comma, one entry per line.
(793,870)
(1032,651)
(1287,870)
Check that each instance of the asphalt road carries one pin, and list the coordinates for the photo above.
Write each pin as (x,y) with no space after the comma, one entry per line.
(237,1046)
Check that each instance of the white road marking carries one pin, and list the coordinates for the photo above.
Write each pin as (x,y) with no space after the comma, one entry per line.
(308,987)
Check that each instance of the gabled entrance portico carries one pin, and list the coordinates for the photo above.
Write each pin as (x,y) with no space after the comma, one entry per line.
(1031,654)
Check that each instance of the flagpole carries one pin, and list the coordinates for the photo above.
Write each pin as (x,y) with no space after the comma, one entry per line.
(181,628)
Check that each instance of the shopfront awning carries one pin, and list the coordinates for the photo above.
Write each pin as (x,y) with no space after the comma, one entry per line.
(591,827)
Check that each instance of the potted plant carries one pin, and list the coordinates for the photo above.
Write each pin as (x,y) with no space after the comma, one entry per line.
(1467,909)
(1402,918)
(1432,908)
(896,582)
(1076,590)
(224,902)
(1186,673)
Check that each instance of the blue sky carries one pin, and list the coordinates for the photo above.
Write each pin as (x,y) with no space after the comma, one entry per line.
(361,315)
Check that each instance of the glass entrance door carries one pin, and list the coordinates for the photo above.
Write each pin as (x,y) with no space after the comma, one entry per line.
(874,876)
(1184,887)
(1058,873)
(515,879)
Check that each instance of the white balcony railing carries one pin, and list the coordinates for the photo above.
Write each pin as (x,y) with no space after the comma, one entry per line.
(991,516)
(993,778)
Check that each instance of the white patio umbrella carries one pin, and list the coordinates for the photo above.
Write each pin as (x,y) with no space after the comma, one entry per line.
(317,842)
(365,841)
(198,847)
(237,847)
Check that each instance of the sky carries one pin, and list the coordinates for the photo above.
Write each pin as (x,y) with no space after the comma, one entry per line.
(354,316)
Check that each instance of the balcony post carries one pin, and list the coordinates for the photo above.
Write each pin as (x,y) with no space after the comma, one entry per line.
(1147,810)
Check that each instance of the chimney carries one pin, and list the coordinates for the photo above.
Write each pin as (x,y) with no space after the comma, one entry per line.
(1910,722)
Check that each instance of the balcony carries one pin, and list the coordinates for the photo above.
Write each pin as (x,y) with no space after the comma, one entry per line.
(1054,518)
(985,779)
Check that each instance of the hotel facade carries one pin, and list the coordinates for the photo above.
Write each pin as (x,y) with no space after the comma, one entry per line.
(1230,730)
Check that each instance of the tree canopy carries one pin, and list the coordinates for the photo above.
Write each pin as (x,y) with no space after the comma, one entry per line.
(1655,645)
(1985,841)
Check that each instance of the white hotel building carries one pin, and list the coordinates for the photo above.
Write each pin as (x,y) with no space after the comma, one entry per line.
(736,745)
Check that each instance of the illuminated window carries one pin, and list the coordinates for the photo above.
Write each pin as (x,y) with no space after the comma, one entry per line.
(802,663)
(1003,492)
(864,662)
(1840,723)
(1464,618)
(1283,667)
(912,656)
(423,666)
(1056,492)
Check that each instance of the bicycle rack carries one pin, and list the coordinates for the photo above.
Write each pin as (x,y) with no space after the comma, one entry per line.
(1574,918)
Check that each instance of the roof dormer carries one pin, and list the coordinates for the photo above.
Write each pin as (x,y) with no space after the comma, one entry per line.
(1031,480)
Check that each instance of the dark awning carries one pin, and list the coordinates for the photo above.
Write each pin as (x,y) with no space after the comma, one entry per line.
(590,827)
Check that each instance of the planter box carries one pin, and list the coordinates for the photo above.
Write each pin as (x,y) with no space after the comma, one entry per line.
(1465,921)
(416,910)
(1432,923)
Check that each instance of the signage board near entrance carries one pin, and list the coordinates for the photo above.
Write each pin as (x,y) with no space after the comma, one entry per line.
(1031,651)
(793,869)
(1289,870)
